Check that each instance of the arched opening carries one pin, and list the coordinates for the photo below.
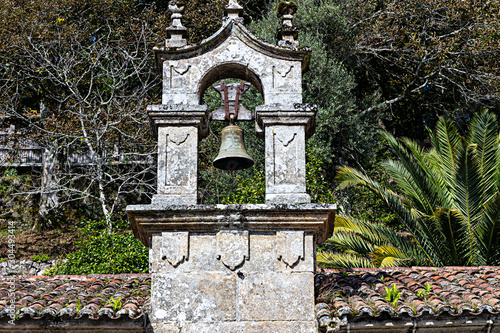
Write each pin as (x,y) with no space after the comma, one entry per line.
(229,71)
(236,185)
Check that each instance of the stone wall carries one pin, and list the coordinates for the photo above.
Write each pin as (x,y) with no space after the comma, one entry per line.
(26,267)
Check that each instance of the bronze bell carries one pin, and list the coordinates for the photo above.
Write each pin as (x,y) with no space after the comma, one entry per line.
(232,154)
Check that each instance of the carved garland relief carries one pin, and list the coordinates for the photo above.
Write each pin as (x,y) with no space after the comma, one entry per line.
(233,248)
(281,76)
(174,247)
(178,77)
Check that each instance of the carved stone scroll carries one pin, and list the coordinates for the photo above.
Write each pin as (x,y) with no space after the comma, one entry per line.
(174,247)
(290,247)
(233,248)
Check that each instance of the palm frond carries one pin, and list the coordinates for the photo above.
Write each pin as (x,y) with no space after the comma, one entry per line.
(456,247)
(409,171)
(350,241)
(468,183)
(342,260)
(483,132)
(424,234)
(488,232)
(389,256)
(445,141)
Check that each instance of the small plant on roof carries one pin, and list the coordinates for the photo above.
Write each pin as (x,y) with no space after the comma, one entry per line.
(116,304)
(424,292)
(78,305)
(392,294)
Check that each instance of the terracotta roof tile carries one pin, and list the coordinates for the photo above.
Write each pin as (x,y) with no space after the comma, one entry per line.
(77,296)
(454,291)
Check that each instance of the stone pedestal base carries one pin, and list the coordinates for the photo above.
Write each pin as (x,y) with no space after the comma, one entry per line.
(234,268)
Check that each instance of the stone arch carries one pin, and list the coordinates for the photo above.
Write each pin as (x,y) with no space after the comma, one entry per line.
(229,70)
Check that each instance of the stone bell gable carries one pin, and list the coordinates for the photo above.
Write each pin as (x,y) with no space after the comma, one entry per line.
(182,119)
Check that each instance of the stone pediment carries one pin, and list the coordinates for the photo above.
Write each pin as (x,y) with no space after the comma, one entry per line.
(232,52)
(232,28)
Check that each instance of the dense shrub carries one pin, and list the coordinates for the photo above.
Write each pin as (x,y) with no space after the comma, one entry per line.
(101,252)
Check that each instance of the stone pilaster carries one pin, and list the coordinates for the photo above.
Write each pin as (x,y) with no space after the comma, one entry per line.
(178,129)
(285,130)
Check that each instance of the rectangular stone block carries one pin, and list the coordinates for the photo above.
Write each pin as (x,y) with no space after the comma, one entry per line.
(276,296)
(252,327)
(262,253)
(200,297)
(201,258)
(305,264)
(165,328)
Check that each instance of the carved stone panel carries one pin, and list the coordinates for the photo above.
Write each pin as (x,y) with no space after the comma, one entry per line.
(177,160)
(290,247)
(179,75)
(285,160)
(233,248)
(282,75)
(175,247)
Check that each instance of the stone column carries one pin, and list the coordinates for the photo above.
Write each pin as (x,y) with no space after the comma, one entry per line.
(285,130)
(178,128)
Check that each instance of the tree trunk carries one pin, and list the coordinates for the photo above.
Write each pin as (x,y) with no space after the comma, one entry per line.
(49,199)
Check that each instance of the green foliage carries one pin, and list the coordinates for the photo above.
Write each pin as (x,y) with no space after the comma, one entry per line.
(447,197)
(249,190)
(15,204)
(343,134)
(392,295)
(424,292)
(360,243)
(101,252)
(116,304)
(40,258)
(318,187)
(10,173)
(78,305)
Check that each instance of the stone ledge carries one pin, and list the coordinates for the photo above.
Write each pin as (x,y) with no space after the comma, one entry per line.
(317,219)
(178,115)
(240,327)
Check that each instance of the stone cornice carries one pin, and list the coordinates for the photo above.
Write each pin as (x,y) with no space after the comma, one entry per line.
(178,115)
(298,114)
(317,219)
(231,27)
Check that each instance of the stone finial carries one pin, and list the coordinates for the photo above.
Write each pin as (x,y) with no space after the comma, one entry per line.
(234,11)
(176,33)
(287,34)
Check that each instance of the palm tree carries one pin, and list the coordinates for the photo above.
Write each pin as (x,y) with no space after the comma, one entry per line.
(448,199)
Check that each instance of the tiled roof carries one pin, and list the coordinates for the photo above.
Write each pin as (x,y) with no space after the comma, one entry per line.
(358,295)
(75,297)
(454,291)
